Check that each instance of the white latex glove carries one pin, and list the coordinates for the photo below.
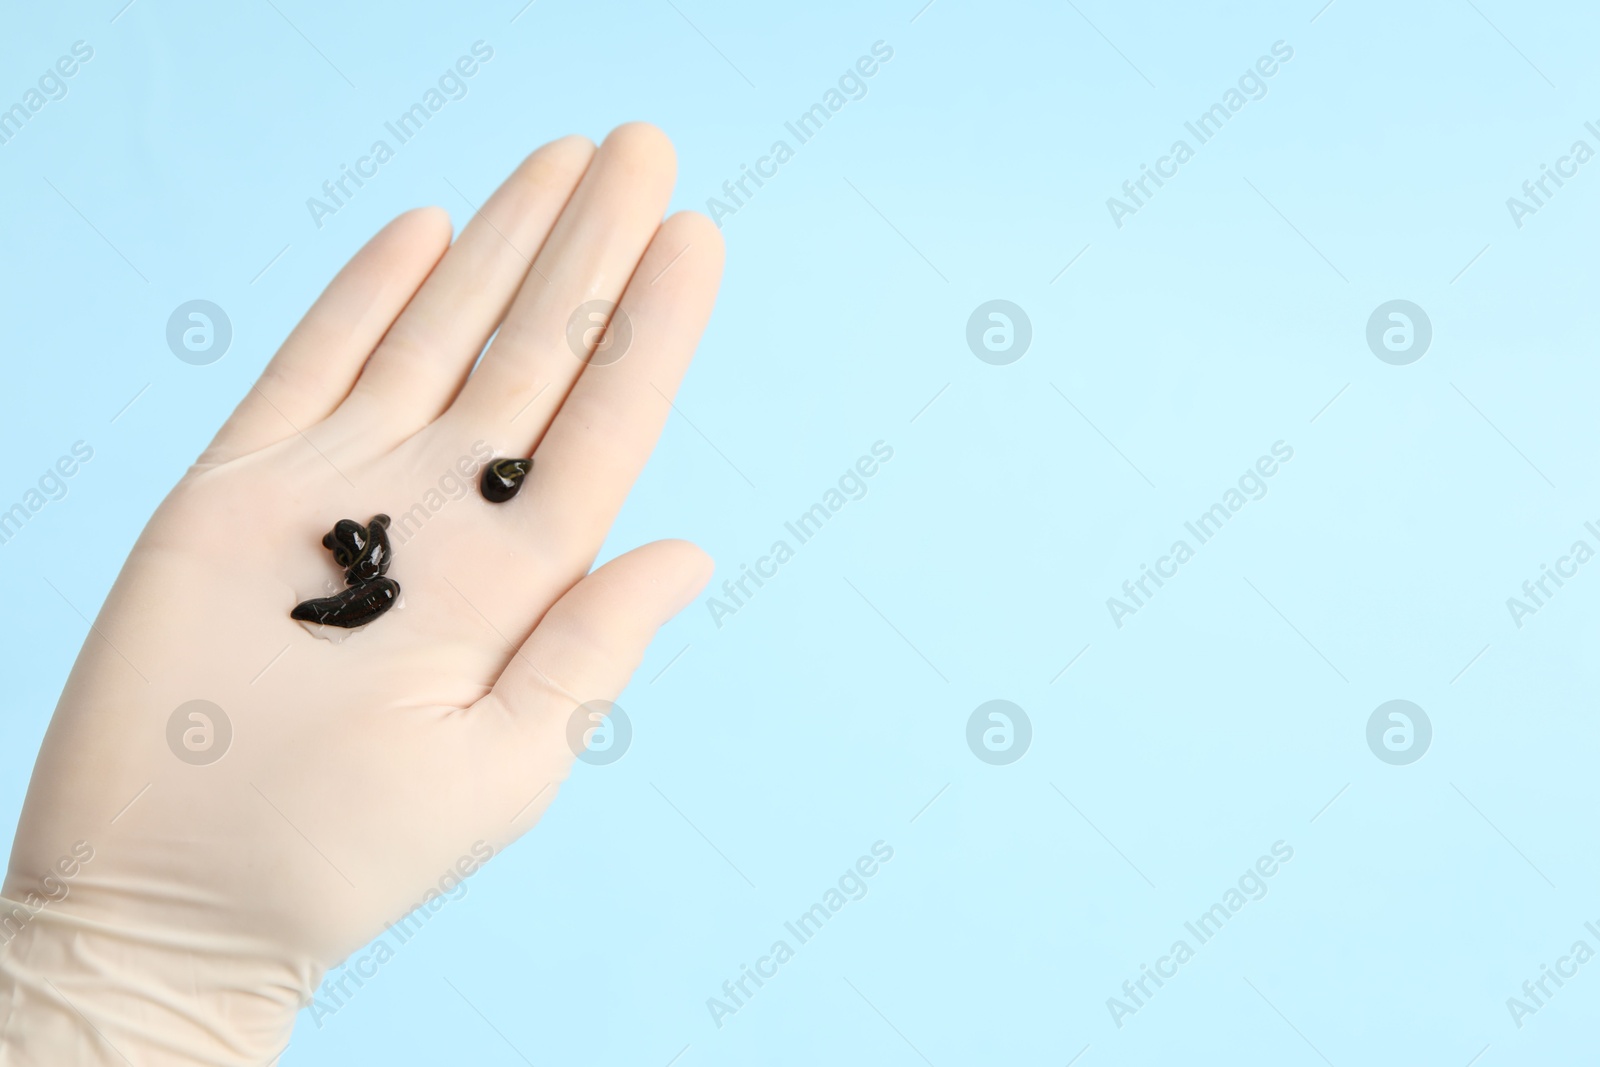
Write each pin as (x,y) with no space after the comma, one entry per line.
(160,911)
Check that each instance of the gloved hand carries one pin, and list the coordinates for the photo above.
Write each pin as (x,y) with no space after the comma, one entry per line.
(164,906)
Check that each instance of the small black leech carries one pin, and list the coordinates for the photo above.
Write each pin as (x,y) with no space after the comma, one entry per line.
(363,551)
(502,479)
(352,607)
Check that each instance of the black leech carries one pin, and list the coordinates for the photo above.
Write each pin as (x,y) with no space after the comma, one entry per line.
(502,479)
(363,551)
(352,606)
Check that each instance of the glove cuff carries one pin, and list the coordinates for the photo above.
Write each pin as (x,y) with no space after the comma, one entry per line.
(73,990)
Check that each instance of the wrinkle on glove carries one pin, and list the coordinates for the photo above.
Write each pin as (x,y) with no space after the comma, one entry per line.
(172,999)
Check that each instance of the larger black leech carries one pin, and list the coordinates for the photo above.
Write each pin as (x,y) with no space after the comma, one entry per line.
(502,479)
(363,552)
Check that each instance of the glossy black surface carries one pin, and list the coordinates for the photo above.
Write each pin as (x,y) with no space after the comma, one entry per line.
(502,478)
(351,607)
(364,553)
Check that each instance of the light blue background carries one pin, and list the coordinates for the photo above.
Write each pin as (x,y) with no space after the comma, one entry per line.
(806,727)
